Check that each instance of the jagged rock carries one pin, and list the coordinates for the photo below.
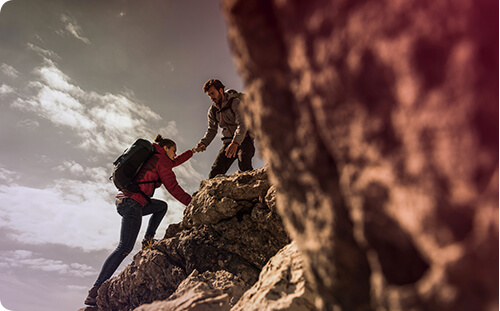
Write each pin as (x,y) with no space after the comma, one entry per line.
(217,291)
(238,240)
(172,230)
(281,285)
(151,276)
(379,122)
(223,197)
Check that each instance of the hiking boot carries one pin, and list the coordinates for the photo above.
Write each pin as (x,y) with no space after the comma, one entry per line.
(148,242)
(91,299)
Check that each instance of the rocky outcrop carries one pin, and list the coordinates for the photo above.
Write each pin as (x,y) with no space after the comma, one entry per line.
(379,121)
(229,232)
(281,286)
(216,291)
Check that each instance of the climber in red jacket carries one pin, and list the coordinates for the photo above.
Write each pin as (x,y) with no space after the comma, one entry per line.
(133,205)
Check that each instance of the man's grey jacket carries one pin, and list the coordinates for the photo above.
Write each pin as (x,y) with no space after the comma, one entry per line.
(230,119)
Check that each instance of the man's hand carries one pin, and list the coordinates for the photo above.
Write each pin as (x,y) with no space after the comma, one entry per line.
(232,149)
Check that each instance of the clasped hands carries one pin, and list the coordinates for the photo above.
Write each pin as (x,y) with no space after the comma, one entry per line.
(199,148)
(231,150)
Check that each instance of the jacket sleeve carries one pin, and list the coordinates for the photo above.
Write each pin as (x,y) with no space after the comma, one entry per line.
(169,180)
(241,129)
(183,157)
(212,127)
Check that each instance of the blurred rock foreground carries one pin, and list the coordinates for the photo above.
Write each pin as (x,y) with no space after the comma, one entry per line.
(379,124)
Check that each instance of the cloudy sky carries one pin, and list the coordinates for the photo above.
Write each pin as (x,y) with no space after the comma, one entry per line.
(79,82)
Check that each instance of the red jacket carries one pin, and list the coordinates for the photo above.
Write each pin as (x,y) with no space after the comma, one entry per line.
(159,167)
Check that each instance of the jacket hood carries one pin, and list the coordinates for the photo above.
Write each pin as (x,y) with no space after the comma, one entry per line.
(159,149)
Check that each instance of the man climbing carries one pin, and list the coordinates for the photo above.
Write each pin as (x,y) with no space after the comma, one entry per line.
(225,112)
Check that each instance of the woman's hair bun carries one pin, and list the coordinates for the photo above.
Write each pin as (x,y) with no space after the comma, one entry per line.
(164,141)
(158,138)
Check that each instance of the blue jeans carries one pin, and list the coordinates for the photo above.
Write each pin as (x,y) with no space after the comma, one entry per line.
(131,212)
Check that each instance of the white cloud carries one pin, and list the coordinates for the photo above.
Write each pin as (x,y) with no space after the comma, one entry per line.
(25,259)
(6,175)
(77,214)
(70,212)
(72,27)
(28,124)
(96,174)
(170,130)
(43,52)
(56,79)
(103,122)
(187,176)
(60,108)
(73,167)
(9,71)
(5,89)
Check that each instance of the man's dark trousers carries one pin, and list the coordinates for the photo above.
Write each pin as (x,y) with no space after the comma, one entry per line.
(245,153)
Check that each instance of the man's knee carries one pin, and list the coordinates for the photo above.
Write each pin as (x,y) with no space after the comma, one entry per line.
(220,166)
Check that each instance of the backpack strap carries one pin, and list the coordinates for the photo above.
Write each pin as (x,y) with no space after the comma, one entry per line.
(228,106)
(145,196)
(147,182)
(139,188)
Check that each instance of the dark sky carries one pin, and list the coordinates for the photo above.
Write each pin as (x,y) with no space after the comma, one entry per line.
(79,82)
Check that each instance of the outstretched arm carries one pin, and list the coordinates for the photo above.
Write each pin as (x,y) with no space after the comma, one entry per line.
(211,129)
(183,157)
(169,180)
